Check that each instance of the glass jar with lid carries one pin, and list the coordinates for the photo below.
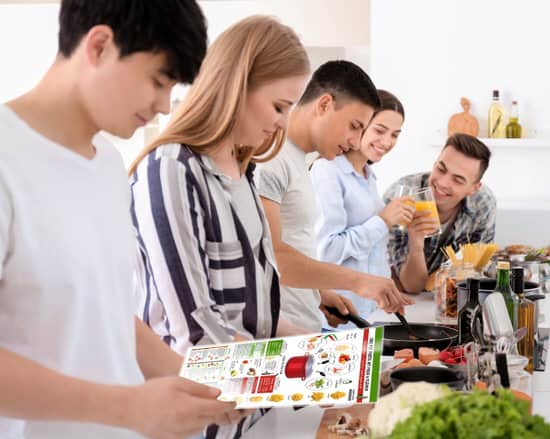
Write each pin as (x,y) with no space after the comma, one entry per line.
(447,289)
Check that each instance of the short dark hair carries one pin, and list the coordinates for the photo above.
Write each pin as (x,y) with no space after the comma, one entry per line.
(389,101)
(472,147)
(176,28)
(342,79)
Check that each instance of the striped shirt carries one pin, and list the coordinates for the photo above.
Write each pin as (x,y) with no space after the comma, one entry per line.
(474,222)
(201,280)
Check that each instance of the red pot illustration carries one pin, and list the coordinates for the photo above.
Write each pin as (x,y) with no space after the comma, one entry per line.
(299,367)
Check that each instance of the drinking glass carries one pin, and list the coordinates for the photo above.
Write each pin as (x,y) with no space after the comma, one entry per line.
(425,201)
(401,191)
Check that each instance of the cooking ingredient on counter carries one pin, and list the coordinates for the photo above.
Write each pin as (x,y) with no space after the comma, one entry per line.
(398,405)
(454,355)
(297,396)
(425,356)
(346,425)
(406,354)
(475,415)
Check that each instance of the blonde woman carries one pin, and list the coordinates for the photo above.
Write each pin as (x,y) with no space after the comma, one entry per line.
(208,265)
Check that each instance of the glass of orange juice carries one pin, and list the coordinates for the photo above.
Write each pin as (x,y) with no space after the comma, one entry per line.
(401,191)
(425,201)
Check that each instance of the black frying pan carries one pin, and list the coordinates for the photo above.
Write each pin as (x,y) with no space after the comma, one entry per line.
(397,337)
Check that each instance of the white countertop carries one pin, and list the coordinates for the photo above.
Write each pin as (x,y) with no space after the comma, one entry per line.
(303,423)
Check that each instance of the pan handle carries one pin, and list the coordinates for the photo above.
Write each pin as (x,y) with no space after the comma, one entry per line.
(353,318)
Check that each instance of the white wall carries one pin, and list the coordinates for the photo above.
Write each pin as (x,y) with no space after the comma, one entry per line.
(429,52)
(432,52)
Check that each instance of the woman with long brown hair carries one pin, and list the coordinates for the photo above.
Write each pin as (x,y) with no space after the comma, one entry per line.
(208,266)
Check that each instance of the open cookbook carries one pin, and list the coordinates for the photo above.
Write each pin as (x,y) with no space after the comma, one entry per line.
(329,368)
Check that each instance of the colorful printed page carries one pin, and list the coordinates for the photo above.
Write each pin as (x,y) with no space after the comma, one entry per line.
(330,368)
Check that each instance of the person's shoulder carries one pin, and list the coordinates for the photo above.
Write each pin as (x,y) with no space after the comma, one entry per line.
(17,139)
(484,198)
(322,166)
(416,180)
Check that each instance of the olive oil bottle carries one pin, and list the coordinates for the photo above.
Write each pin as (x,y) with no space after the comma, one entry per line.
(513,129)
(526,317)
(497,127)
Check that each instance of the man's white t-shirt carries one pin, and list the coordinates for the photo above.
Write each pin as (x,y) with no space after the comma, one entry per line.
(67,258)
(285,180)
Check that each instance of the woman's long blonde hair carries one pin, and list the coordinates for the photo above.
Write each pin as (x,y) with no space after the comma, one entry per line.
(252,52)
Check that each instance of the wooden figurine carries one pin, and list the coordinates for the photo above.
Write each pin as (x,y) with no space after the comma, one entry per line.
(463,122)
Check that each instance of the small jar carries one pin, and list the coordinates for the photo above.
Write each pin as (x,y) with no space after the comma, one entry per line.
(447,290)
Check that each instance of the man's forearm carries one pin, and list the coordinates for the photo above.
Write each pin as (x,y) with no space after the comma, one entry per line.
(155,358)
(414,273)
(33,392)
(300,271)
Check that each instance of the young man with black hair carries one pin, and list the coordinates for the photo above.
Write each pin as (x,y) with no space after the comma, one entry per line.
(73,358)
(336,107)
(466,208)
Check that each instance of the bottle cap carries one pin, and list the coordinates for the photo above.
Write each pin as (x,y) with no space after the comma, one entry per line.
(495,94)
(514,102)
(517,273)
(503,265)
(472,283)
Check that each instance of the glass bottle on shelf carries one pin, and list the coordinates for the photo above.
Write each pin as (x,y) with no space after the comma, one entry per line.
(513,129)
(503,287)
(526,317)
(497,127)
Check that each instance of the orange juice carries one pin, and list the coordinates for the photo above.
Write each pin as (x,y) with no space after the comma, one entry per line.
(411,203)
(428,205)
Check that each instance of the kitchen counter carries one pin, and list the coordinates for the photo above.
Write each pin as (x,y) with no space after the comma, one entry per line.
(304,423)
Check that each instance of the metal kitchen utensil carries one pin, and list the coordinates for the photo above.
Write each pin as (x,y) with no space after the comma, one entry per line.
(471,352)
(502,369)
(518,335)
(503,345)
(411,332)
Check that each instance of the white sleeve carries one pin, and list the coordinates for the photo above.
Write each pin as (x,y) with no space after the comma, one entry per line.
(6,219)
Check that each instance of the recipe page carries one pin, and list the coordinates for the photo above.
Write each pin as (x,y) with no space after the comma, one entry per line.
(329,368)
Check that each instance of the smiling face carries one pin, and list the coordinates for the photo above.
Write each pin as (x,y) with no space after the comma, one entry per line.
(381,135)
(454,177)
(338,126)
(122,94)
(266,109)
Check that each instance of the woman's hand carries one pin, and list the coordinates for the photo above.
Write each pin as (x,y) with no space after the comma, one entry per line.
(398,211)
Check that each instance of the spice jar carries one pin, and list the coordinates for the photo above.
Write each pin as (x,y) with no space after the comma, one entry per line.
(447,289)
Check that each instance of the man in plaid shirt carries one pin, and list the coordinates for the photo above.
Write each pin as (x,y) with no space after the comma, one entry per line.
(466,208)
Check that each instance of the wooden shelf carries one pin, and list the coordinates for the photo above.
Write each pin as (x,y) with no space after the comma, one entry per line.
(530,143)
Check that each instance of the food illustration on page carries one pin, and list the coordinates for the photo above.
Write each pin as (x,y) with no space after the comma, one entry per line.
(328,368)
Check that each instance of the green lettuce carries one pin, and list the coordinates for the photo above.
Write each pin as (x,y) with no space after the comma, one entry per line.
(473,416)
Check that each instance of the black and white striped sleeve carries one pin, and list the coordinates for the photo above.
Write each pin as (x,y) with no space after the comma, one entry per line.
(169,216)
